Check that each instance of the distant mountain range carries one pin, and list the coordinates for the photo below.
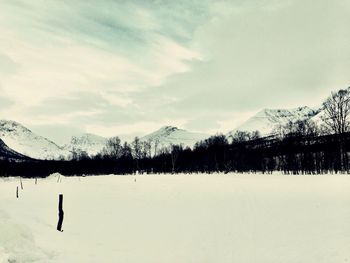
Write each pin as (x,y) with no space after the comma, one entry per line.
(18,141)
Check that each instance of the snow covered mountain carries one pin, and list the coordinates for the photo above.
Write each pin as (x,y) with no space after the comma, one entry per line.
(168,135)
(8,154)
(90,143)
(24,141)
(266,120)
(21,140)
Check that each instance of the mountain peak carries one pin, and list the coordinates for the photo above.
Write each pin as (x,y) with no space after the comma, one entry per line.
(169,128)
(11,126)
(168,135)
(24,141)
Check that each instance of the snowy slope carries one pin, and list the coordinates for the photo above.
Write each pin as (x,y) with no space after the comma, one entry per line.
(24,141)
(90,143)
(266,120)
(318,118)
(168,135)
(8,154)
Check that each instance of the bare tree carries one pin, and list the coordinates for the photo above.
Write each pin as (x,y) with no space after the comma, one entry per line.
(300,128)
(74,154)
(137,151)
(146,151)
(137,148)
(240,136)
(113,147)
(175,149)
(336,117)
(156,144)
(337,111)
(126,151)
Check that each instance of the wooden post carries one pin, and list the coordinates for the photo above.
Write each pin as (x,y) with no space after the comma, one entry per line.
(60,213)
(17,192)
(36,180)
(20,179)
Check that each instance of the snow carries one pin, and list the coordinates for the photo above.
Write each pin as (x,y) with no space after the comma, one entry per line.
(265,121)
(17,243)
(177,218)
(169,135)
(24,141)
(9,154)
(318,118)
(90,143)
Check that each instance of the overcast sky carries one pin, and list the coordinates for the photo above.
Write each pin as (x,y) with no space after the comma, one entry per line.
(130,67)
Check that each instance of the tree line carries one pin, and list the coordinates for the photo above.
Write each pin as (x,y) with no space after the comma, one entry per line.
(301,147)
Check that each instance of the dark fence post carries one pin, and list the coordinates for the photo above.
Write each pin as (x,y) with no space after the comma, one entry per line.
(60,213)
(17,192)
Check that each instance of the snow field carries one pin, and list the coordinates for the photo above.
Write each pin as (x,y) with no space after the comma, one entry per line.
(181,218)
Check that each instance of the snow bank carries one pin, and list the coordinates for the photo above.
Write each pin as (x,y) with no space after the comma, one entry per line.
(55,177)
(17,242)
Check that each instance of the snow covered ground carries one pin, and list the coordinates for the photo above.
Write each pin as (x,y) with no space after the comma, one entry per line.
(187,219)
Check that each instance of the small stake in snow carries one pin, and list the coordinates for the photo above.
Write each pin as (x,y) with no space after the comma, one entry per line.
(60,213)
(17,192)
(36,180)
(20,179)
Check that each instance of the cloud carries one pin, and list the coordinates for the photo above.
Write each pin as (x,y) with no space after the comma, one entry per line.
(73,102)
(7,65)
(4,103)
(262,54)
(119,67)
(56,50)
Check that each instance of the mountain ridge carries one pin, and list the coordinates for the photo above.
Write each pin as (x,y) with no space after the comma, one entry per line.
(22,140)
(267,120)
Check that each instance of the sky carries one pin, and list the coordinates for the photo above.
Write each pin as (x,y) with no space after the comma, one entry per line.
(127,68)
